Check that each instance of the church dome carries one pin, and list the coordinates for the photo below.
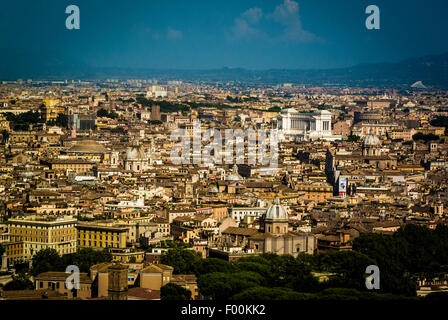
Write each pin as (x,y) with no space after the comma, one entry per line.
(213,189)
(135,153)
(371,140)
(234,175)
(276,211)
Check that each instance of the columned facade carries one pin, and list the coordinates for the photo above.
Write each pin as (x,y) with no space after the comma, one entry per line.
(295,125)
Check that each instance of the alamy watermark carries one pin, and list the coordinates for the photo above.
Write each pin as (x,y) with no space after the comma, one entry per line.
(373,20)
(373,280)
(228,146)
(72,21)
(73,280)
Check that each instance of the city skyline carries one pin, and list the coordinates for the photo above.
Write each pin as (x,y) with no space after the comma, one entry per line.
(206,151)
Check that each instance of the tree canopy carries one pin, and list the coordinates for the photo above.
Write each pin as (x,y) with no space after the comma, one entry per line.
(107,114)
(172,291)
(49,260)
(182,260)
(19,282)
(425,137)
(22,121)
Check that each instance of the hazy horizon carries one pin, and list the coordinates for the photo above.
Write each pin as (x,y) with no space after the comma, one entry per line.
(203,35)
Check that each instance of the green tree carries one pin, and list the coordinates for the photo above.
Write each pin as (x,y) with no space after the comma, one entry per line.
(183,261)
(440,121)
(102,113)
(24,120)
(425,137)
(222,286)
(353,294)
(349,267)
(262,269)
(265,293)
(19,282)
(391,256)
(210,265)
(286,271)
(62,120)
(46,260)
(352,138)
(172,291)
(113,115)
(49,260)
(84,258)
(275,109)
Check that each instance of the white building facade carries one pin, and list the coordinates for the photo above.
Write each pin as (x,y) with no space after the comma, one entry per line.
(238,213)
(299,126)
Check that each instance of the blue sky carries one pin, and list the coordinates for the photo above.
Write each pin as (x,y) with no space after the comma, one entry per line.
(198,34)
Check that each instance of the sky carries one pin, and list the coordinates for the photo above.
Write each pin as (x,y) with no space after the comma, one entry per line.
(199,34)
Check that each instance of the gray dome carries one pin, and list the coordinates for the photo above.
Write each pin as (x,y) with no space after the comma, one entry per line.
(135,153)
(233,177)
(371,140)
(213,189)
(276,211)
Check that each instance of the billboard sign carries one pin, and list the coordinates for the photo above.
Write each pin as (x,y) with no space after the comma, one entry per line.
(342,186)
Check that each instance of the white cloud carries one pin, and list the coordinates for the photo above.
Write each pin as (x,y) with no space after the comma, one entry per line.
(253,15)
(247,25)
(243,26)
(287,14)
(173,33)
(144,32)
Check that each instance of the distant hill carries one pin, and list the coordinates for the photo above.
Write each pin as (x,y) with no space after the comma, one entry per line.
(418,85)
(430,70)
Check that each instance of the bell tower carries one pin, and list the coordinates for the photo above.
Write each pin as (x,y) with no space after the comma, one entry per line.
(114,158)
(118,282)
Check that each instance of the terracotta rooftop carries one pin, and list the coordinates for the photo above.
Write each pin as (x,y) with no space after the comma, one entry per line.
(240,231)
(156,268)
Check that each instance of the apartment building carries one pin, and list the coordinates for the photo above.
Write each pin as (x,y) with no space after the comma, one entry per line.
(96,235)
(39,233)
